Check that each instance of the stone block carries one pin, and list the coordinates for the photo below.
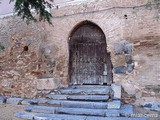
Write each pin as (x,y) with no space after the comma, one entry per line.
(115,104)
(148,105)
(25,115)
(127,47)
(41,100)
(89,97)
(120,70)
(80,104)
(89,91)
(3,99)
(130,67)
(44,116)
(126,110)
(34,101)
(81,111)
(48,83)
(117,91)
(14,101)
(129,88)
(118,48)
(152,106)
(128,59)
(54,102)
(112,113)
(57,97)
(26,102)
(40,109)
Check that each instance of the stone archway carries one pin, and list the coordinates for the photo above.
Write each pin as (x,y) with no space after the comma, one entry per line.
(89,62)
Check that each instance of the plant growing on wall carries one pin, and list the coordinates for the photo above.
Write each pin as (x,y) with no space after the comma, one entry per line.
(1,47)
(27,9)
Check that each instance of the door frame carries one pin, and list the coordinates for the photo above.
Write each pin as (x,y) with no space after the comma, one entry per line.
(69,46)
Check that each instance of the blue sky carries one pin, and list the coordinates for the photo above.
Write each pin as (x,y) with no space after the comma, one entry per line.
(5,7)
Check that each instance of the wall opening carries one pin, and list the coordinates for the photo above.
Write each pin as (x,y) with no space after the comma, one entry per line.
(89,62)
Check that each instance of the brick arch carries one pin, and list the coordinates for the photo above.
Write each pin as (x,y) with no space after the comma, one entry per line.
(88,57)
(80,24)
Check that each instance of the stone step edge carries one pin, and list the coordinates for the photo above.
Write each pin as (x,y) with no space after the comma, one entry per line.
(125,110)
(89,91)
(10,100)
(115,104)
(89,86)
(115,90)
(78,97)
(21,101)
(41,116)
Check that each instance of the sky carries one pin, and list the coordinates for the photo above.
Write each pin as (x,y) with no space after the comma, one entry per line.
(5,7)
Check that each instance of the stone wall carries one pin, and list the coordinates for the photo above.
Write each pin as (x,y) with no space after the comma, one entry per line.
(132,35)
(20,58)
(128,25)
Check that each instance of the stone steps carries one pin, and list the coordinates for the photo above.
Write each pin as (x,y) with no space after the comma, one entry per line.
(84,90)
(79,97)
(40,109)
(43,116)
(89,86)
(116,104)
(57,96)
(86,102)
(3,99)
(38,101)
(89,97)
(125,110)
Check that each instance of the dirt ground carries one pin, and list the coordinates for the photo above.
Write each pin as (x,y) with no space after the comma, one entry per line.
(152,115)
(7,112)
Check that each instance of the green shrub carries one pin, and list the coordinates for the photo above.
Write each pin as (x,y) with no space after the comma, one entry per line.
(2,48)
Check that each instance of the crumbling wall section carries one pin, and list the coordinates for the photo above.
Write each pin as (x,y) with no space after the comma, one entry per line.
(20,56)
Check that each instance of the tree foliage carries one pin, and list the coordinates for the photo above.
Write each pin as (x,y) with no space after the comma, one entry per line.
(27,9)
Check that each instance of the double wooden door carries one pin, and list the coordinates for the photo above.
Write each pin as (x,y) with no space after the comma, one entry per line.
(88,56)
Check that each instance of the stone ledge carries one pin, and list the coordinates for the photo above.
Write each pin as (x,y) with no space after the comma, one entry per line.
(3,99)
(152,106)
(14,101)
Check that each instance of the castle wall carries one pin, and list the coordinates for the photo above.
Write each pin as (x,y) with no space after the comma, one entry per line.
(133,39)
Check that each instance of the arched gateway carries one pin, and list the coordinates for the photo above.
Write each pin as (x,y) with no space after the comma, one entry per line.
(89,62)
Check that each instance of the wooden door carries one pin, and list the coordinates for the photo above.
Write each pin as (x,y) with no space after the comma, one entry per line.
(88,55)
